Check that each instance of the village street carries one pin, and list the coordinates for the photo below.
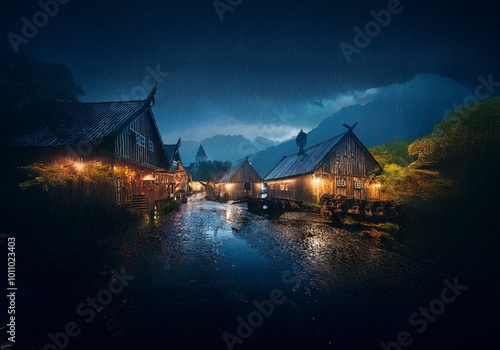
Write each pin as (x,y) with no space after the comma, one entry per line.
(215,276)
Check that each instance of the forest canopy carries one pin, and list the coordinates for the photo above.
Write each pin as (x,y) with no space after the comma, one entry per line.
(459,158)
(29,88)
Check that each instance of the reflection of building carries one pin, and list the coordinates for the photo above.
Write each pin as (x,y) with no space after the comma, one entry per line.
(240,181)
(341,165)
(178,179)
(119,136)
(201,156)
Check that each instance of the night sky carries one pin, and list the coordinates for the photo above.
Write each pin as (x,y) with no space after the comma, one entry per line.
(265,59)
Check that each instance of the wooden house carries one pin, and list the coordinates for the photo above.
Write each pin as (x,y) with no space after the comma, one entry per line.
(240,181)
(177,175)
(120,136)
(211,187)
(341,165)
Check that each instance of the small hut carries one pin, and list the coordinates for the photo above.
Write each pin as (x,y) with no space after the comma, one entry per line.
(240,181)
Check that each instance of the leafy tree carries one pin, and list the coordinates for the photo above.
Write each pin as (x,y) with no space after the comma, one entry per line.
(29,89)
(460,158)
(465,147)
(393,152)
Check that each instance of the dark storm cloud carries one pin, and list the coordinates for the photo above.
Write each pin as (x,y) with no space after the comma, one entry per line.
(264,56)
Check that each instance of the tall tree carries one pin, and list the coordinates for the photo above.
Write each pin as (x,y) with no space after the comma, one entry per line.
(29,89)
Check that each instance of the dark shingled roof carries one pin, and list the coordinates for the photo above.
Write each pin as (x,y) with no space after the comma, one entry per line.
(304,163)
(173,153)
(170,151)
(241,172)
(83,122)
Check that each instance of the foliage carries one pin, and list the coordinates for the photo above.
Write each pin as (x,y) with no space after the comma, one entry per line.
(203,171)
(458,158)
(29,89)
(465,147)
(393,152)
(171,205)
(390,227)
(52,175)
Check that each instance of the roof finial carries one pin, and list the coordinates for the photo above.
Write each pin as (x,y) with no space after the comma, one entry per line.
(351,128)
(152,94)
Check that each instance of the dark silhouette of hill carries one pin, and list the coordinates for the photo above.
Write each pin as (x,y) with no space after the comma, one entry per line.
(398,111)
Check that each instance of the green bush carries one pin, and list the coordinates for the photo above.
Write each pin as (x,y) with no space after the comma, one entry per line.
(390,228)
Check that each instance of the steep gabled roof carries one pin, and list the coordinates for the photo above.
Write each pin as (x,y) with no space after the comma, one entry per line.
(172,151)
(306,162)
(82,122)
(201,152)
(219,174)
(241,172)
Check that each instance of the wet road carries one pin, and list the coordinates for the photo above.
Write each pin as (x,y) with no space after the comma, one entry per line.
(225,278)
(214,276)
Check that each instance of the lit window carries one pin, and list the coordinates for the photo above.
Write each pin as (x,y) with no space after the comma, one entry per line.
(151,146)
(282,187)
(341,182)
(140,140)
(359,185)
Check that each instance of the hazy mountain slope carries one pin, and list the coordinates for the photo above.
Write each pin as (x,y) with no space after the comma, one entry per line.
(398,111)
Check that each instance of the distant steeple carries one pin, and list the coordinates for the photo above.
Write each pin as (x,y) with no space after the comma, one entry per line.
(201,156)
(301,141)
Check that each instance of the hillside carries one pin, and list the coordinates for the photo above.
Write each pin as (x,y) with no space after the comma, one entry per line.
(450,173)
(402,111)
(225,147)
